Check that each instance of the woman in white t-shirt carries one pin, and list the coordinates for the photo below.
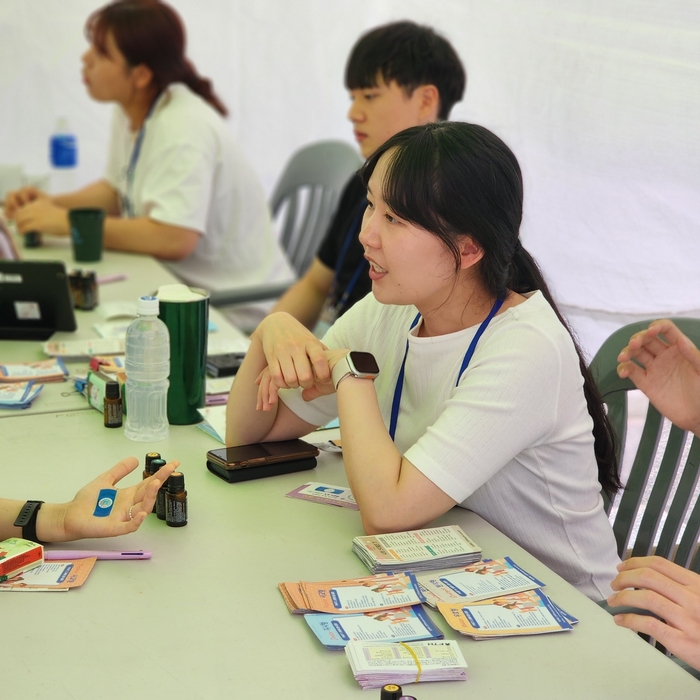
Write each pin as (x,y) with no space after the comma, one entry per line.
(482,399)
(177,186)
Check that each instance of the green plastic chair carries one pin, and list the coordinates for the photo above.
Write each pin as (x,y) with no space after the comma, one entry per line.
(676,542)
(309,188)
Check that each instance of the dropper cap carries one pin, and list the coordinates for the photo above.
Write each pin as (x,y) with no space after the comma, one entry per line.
(390,692)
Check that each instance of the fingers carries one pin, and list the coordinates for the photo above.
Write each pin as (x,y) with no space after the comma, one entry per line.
(667,568)
(645,624)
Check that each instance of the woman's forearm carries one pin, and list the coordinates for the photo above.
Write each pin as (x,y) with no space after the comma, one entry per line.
(98,194)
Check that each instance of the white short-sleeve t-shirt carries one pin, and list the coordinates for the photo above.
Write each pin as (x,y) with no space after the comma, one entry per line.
(512,442)
(191,173)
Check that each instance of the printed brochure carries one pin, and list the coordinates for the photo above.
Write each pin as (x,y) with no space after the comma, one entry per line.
(396,625)
(485,579)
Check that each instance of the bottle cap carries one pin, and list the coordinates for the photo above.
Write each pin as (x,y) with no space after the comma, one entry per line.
(150,456)
(147,306)
(155,464)
(112,390)
(176,482)
(390,692)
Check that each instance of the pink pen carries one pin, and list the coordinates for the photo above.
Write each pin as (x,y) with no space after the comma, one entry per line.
(60,554)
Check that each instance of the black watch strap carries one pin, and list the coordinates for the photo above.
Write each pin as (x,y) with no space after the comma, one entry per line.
(27,520)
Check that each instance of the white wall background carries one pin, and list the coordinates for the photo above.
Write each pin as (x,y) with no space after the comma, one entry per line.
(599,99)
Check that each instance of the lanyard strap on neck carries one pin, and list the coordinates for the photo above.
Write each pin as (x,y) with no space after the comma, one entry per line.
(396,403)
(133,160)
(352,233)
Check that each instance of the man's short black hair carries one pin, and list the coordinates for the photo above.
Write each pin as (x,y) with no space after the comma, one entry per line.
(410,54)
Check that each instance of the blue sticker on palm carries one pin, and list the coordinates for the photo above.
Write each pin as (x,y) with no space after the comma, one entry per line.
(105,502)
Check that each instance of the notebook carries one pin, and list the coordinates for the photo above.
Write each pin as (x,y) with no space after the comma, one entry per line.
(35,300)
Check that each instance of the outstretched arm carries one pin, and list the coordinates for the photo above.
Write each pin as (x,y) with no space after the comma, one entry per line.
(667,590)
(669,373)
(60,522)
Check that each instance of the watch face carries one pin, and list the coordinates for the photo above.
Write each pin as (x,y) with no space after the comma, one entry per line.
(364,362)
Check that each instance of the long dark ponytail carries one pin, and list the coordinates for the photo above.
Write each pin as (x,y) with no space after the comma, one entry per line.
(151,33)
(452,178)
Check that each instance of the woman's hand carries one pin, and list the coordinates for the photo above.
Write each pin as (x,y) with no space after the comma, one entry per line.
(670,372)
(294,355)
(268,387)
(44,216)
(667,590)
(75,520)
(18,198)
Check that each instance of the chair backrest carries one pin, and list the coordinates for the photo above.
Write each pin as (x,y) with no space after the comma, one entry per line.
(661,493)
(310,187)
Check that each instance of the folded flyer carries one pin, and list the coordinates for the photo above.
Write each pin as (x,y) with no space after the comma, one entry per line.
(52,576)
(485,579)
(325,493)
(395,625)
(43,371)
(531,612)
(417,550)
(375,664)
(346,596)
(19,394)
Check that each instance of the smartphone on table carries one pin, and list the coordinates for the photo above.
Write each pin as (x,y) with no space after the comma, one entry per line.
(262,459)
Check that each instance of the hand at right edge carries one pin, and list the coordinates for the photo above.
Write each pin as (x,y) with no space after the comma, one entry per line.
(669,373)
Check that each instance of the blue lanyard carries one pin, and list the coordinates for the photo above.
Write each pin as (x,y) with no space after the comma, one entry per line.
(465,363)
(352,233)
(131,168)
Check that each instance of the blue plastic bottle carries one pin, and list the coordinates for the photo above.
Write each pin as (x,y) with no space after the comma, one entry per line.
(147,365)
(63,154)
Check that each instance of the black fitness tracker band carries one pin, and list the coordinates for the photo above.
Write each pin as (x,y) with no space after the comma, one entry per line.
(27,520)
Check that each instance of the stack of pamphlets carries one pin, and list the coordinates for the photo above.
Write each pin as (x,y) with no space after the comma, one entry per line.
(382,607)
(417,550)
(18,555)
(19,394)
(531,612)
(43,371)
(375,664)
(489,578)
(352,595)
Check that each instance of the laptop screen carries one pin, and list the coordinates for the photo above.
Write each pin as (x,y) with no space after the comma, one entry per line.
(35,300)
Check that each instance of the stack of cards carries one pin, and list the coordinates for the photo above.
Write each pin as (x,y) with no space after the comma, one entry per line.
(52,576)
(352,595)
(486,579)
(383,607)
(393,625)
(325,493)
(531,612)
(417,550)
(44,371)
(375,664)
(19,394)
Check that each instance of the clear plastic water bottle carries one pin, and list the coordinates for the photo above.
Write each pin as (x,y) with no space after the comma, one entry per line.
(63,154)
(147,368)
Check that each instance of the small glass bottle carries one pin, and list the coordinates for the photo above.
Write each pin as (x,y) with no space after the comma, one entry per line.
(112,406)
(32,239)
(176,501)
(160,499)
(150,456)
(88,285)
(152,466)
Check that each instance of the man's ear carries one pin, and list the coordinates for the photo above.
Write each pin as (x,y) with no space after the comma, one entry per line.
(429,103)
(142,76)
(470,252)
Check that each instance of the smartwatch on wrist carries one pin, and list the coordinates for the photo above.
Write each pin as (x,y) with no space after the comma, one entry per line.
(355,364)
(27,520)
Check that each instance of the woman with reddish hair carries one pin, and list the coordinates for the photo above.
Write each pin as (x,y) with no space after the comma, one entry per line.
(176,186)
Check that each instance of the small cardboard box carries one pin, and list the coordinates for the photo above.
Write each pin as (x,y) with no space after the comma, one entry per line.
(18,555)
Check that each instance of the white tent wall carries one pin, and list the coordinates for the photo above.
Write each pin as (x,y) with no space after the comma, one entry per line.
(600,101)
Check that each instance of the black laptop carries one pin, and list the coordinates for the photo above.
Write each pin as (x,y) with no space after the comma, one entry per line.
(35,300)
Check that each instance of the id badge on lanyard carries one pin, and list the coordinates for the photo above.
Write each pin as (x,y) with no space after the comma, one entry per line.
(329,315)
